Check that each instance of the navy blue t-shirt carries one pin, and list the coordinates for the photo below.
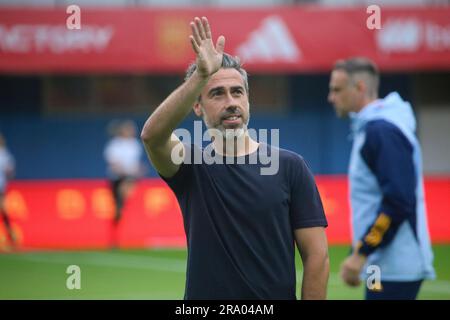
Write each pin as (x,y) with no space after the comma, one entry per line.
(240,224)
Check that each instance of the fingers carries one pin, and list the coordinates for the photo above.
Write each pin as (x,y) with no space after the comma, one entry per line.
(201,28)
(220,45)
(353,282)
(350,277)
(202,31)
(194,45)
(195,34)
(207,28)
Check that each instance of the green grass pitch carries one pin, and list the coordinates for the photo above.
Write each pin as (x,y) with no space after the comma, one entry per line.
(151,274)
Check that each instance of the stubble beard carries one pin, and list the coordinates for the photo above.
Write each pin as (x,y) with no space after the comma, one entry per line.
(228,134)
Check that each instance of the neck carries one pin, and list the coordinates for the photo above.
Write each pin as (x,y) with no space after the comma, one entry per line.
(366,101)
(237,147)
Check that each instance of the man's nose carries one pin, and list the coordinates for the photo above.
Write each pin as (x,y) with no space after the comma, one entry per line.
(231,108)
(230,99)
(331,98)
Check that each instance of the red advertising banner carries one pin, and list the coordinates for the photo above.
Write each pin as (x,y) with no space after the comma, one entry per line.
(74,214)
(281,39)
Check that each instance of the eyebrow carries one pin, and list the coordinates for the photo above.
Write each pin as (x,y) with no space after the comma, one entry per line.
(221,88)
(334,88)
(214,90)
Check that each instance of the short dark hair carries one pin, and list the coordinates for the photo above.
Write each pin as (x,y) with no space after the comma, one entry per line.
(228,62)
(361,65)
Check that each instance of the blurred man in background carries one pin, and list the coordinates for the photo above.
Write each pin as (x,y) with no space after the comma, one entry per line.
(7,166)
(123,154)
(240,225)
(386,184)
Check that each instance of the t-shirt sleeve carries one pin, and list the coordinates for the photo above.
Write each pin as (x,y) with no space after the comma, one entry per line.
(179,182)
(306,209)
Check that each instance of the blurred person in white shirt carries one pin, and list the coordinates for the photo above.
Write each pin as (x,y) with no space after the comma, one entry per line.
(7,166)
(123,155)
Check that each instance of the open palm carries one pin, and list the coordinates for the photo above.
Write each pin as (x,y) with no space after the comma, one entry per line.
(209,58)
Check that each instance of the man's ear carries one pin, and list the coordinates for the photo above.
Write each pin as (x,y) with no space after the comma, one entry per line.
(198,109)
(361,86)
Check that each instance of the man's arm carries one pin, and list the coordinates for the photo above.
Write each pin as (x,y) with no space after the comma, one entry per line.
(157,136)
(389,155)
(157,133)
(313,248)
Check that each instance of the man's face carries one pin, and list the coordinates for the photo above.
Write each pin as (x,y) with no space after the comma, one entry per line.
(343,93)
(128,130)
(224,102)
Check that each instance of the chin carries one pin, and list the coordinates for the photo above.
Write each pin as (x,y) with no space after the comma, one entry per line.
(341,113)
(234,133)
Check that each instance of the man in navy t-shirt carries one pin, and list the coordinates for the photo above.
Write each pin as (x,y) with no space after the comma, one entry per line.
(241,220)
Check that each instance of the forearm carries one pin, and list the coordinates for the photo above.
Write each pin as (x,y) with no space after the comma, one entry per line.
(379,234)
(164,120)
(315,277)
(390,157)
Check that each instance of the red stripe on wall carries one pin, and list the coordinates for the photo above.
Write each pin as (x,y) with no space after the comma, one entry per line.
(271,40)
(74,214)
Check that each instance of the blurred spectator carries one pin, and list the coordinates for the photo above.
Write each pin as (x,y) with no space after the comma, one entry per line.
(6,173)
(123,155)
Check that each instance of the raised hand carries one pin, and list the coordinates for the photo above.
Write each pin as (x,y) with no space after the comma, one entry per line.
(209,58)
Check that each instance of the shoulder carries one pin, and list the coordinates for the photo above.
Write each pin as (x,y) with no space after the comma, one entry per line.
(287,156)
(111,143)
(3,154)
(136,143)
(6,153)
(381,127)
(290,161)
(383,132)
(380,124)
(284,154)
(6,158)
